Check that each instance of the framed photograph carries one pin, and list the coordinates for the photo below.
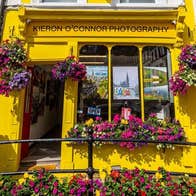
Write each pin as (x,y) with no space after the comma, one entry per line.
(98,78)
(125,83)
(155,83)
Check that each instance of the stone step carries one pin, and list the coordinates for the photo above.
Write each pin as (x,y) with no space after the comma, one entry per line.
(37,161)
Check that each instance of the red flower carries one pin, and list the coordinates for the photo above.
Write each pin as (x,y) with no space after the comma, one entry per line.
(191,191)
(115,174)
(136,183)
(142,193)
(171,192)
(158,184)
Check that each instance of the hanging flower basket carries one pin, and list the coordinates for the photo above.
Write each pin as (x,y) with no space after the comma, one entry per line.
(69,68)
(13,73)
(186,75)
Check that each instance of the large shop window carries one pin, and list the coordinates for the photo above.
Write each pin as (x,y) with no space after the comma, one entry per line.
(93,92)
(119,92)
(125,79)
(157,70)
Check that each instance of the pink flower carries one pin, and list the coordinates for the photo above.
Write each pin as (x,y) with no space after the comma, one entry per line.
(98,118)
(55,191)
(31,183)
(71,191)
(55,183)
(36,189)
(116,118)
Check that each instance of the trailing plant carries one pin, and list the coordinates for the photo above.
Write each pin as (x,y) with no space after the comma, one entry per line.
(13,73)
(69,68)
(186,75)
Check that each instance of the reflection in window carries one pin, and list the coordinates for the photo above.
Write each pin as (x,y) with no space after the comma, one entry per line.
(93,92)
(125,79)
(156,69)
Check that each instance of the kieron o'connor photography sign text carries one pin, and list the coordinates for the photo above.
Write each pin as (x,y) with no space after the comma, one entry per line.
(99,28)
(93,29)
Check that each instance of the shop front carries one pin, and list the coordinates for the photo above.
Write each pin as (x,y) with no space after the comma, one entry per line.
(130,56)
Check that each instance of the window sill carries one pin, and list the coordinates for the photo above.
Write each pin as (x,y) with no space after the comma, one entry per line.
(125,6)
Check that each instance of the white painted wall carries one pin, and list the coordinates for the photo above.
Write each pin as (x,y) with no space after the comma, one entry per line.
(44,123)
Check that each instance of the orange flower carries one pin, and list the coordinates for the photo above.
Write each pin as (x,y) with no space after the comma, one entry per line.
(115,173)
(123,181)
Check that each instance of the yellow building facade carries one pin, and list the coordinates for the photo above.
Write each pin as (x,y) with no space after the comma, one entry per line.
(52,31)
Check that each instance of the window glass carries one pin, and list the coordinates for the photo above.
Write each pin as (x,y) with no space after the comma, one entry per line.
(93,92)
(137,1)
(157,70)
(125,79)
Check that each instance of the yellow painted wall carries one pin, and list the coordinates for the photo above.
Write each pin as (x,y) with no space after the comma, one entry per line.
(11,112)
(147,157)
(11,109)
(69,119)
(11,23)
(185,104)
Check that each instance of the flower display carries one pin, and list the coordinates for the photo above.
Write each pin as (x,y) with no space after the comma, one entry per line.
(44,183)
(139,182)
(186,75)
(116,183)
(70,67)
(151,129)
(39,183)
(13,74)
(80,185)
(188,56)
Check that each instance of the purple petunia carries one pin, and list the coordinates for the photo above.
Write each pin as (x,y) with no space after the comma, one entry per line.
(19,80)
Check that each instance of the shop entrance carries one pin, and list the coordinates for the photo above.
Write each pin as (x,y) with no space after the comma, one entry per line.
(42,117)
(125,77)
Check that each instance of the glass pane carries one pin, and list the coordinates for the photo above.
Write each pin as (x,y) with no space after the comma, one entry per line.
(137,1)
(93,92)
(157,68)
(125,79)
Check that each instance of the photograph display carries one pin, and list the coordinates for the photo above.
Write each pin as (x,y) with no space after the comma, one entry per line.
(125,83)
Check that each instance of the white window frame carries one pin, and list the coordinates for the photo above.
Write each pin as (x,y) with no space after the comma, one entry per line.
(41,1)
(157,4)
(12,2)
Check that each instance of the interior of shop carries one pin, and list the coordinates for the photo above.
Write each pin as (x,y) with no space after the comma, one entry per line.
(45,107)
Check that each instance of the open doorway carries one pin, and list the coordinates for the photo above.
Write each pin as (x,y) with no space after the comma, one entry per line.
(42,118)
